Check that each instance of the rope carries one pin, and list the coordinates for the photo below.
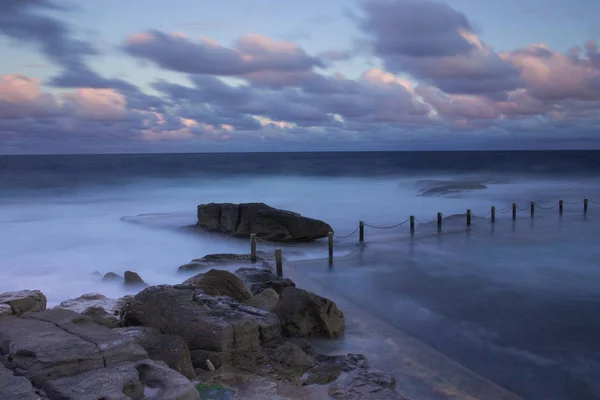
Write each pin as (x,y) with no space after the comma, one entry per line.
(504,210)
(388,227)
(547,208)
(573,202)
(592,201)
(426,223)
(523,209)
(347,236)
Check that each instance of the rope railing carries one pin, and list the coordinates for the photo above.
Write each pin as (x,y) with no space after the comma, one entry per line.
(412,220)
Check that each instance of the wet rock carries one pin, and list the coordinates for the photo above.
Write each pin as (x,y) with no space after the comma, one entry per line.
(5,310)
(133,279)
(170,349)
(259,279)
(268,223)
(99,308)
(358,381)
(16,387)
(216,324)
(139,380)
(265,300)
(305,314)
(53,344)
(112,277)
(23,301)
(220,283)
(213,260)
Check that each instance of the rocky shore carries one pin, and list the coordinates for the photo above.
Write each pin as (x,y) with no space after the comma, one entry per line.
(216,335)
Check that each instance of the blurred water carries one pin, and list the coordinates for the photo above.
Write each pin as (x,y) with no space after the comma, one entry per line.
(517,303)
(518,306)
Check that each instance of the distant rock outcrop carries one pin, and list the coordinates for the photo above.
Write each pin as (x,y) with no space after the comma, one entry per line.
(266,222)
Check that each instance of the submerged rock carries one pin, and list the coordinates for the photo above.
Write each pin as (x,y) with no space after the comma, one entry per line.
(112,277)
(266,222)
(212,260)
(133,279)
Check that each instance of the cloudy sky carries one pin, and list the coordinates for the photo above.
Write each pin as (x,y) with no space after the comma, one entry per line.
(267,75)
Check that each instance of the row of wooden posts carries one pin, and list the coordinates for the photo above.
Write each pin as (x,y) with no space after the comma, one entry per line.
(412,219)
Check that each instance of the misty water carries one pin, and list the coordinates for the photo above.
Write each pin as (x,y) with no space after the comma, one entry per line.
(517,304)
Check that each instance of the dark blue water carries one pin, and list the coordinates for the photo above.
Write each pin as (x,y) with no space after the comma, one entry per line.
(76,170)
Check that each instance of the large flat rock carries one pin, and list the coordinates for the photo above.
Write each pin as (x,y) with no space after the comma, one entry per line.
(54,344)
(266,222)
(217,324)
(132,381)
(16,387)
(22,301)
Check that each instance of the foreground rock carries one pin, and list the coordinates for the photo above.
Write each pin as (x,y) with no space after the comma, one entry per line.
(306,314)
(213,260)
(69,356)
(259,279)
(138,380)
(266,222)
(170,349)
(16,387)
(17,303)
(266,300)
(99,308)
(220,283)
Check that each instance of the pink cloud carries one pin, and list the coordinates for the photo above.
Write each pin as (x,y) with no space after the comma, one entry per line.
(97,104)
(553,76)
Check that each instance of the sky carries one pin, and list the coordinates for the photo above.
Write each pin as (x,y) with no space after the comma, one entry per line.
(160,76)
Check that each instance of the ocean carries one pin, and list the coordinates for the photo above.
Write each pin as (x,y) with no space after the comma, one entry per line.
(517,303)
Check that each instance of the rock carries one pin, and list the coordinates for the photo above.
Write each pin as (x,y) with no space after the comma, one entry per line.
(112,277)
(23,301)
(217,359)
(306,314)
(99,308)
(170,349)
(358,381)
(16,387)
(259,279)
(212,260)
(57,343)
(268,223)
(216,324)
(265,300)
(140,380)
(133,279)
(5,310)
(220,283)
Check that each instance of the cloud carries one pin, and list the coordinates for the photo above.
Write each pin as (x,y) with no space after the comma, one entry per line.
(250,54)
(553,76)
(21,20)
(437,44)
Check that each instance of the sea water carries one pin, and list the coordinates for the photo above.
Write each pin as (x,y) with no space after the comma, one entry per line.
(502,303)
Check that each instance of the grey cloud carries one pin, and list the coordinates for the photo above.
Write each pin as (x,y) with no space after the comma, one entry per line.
(250,54)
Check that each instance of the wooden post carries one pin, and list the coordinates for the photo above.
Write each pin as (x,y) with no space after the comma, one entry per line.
(560,207)
(361,231)
(279,262)
(514,211)
(585,204)
(468,217)
(532,209)
(253,248)
(493,214)
(412,224)
(330,237)
(439,222)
